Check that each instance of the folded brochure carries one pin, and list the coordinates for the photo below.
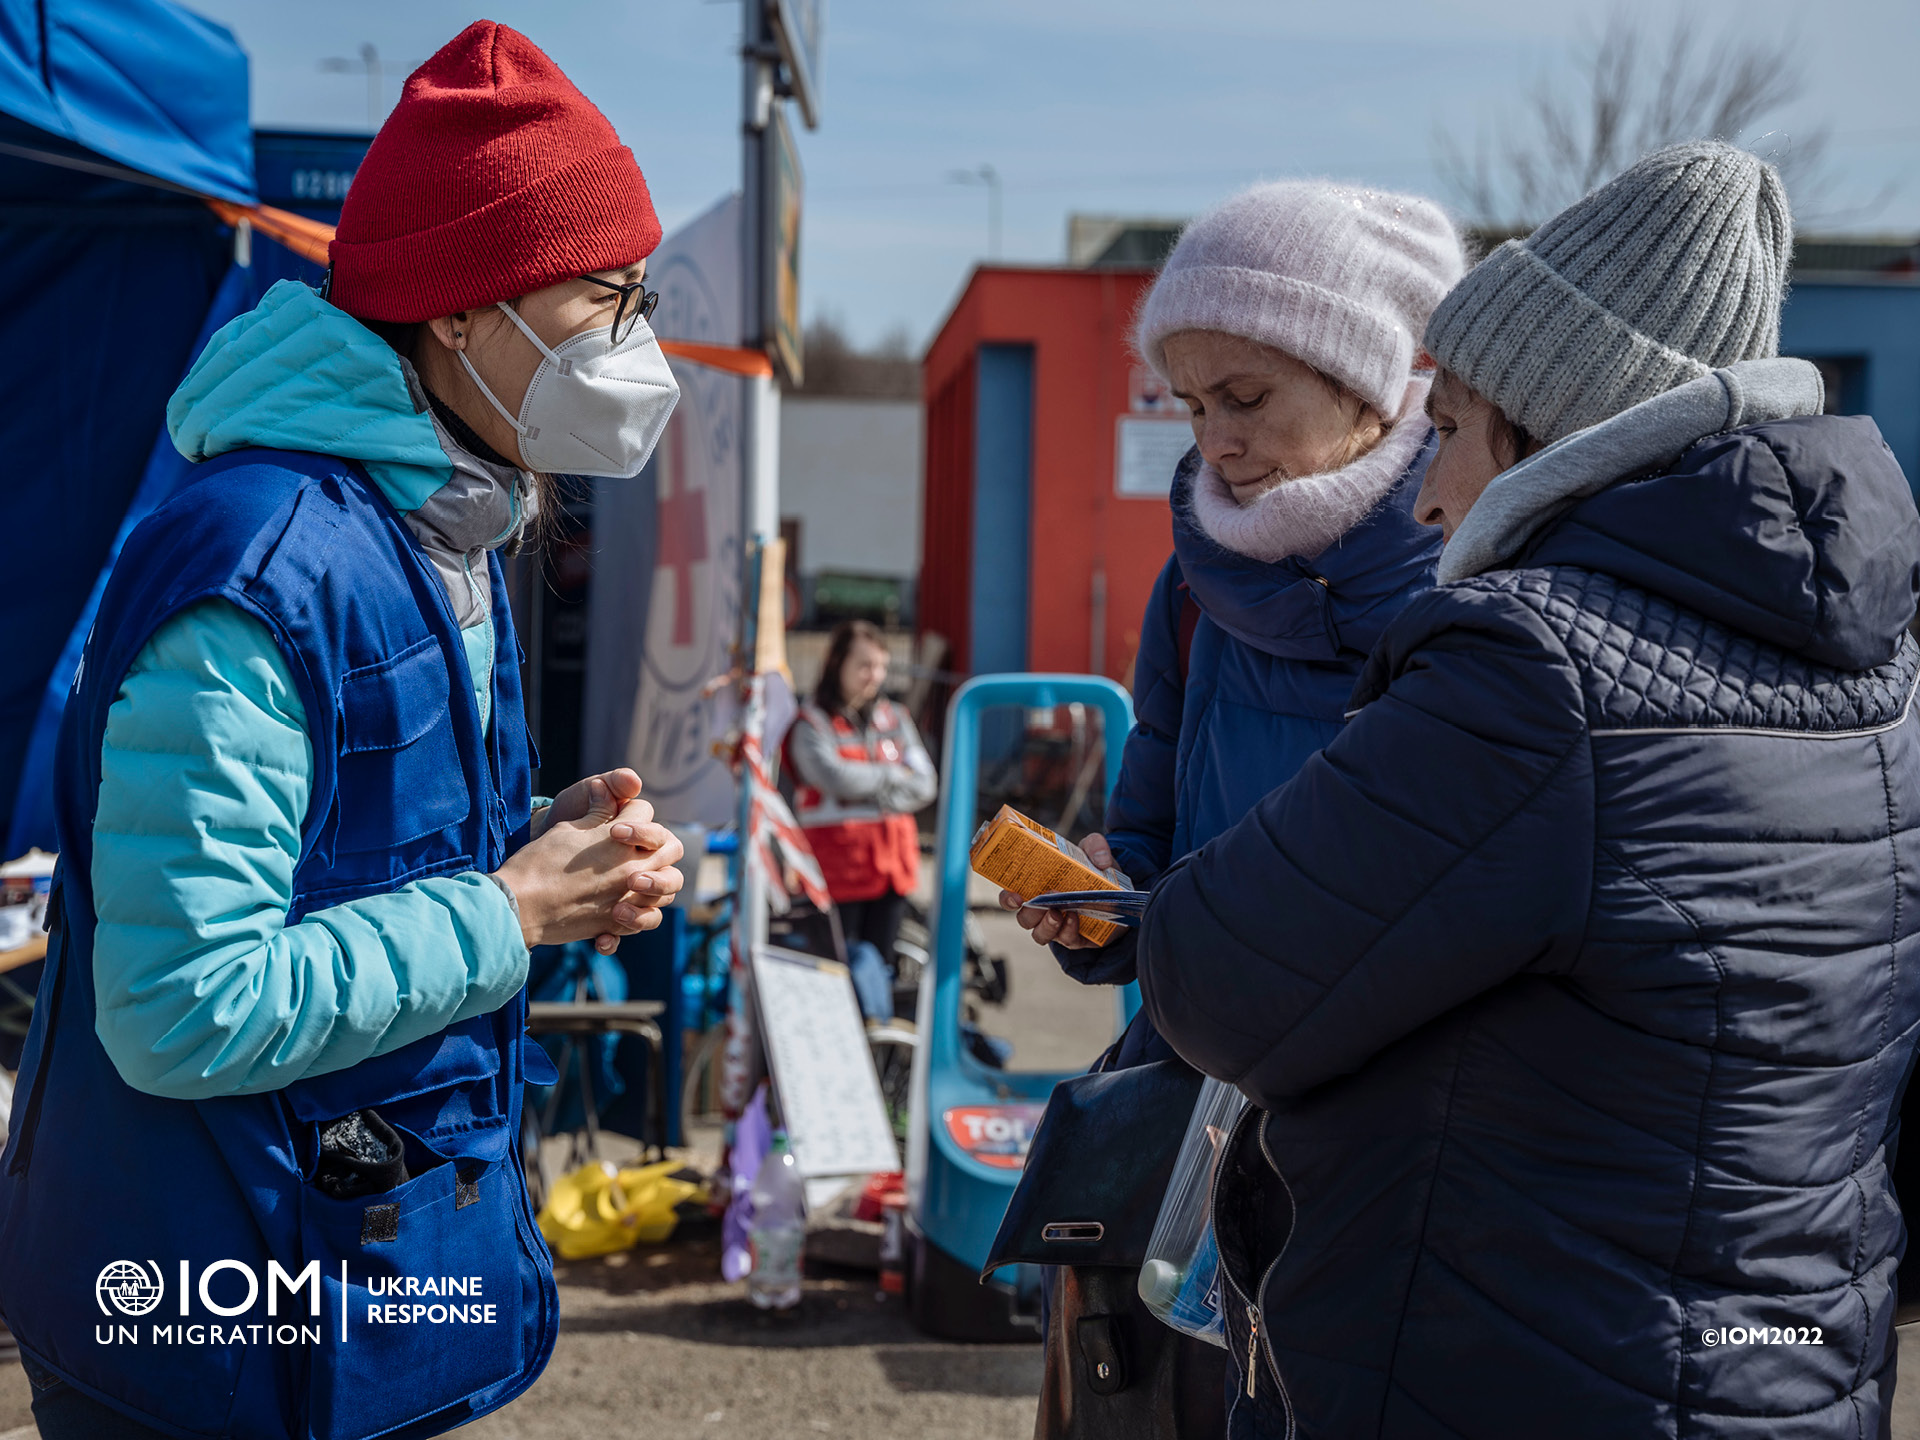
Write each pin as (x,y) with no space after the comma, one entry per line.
(1117,907)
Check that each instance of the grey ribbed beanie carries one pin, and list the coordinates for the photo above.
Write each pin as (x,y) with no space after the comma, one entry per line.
(1675,267)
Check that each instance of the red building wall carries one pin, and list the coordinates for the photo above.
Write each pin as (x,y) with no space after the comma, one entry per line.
(1083,534)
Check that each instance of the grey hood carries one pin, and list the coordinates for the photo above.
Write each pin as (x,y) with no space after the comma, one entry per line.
(1523,501)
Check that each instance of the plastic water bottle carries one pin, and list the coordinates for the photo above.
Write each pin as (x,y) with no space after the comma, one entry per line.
(779,1230)
(1189,1299)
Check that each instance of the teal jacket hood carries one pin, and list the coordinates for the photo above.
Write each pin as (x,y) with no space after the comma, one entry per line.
(295,373)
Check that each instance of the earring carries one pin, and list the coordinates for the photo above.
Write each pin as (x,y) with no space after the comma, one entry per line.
(457,335)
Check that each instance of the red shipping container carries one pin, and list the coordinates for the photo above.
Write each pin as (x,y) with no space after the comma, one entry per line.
(1050,449)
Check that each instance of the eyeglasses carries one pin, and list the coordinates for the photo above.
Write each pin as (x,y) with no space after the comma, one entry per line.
(636,304)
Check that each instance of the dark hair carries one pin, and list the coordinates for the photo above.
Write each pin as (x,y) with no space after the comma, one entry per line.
(403,338)
(400,336)
(827,694)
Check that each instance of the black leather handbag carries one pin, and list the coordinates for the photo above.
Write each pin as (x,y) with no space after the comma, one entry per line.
(1098,1168)
(1085,1207)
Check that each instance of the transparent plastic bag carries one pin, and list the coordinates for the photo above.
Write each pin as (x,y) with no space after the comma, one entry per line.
(1180,1281)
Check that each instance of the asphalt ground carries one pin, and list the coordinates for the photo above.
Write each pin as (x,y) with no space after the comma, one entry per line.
(655,1346)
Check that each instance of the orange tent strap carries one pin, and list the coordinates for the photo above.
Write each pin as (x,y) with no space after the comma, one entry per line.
(734,359)
(306,238)
(309,239)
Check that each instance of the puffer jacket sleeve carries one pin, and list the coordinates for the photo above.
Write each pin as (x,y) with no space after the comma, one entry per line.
(203,989)
(1441,844)
(1140,811)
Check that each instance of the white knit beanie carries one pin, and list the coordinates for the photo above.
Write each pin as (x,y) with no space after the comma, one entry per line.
(1675,267)
(1334,275)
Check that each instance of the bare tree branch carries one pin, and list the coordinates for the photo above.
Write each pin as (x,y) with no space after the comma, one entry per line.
(1632,93)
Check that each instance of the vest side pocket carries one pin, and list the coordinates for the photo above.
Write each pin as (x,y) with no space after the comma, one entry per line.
(433,1298)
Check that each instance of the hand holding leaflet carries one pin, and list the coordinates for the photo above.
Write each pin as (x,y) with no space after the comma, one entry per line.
(1025,858)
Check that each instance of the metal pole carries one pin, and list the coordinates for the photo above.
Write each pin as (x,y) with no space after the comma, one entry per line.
(988,176)
(376,92)
(760,442)
(992,177)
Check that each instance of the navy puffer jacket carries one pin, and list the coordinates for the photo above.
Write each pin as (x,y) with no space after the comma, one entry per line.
(1577,980)
(1274,651)
(1271,655)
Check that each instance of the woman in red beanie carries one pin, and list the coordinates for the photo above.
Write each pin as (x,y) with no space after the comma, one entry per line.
(301,865)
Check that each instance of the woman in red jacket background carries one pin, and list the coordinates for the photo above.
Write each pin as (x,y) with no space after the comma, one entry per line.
(861,772)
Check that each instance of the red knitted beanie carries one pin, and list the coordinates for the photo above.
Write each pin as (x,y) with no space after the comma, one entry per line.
(494,176)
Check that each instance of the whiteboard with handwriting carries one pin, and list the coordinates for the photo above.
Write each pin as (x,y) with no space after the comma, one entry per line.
(817,1049)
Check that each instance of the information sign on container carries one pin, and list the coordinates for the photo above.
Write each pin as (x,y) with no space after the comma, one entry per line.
(1146,452)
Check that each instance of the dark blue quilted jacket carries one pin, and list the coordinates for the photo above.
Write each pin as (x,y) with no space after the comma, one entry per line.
(1577,980)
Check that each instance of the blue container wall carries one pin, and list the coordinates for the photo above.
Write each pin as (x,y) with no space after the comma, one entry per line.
(1002,507)
(1879,324)
(309,175)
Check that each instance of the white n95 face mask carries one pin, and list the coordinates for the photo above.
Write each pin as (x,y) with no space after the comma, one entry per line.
(593,407)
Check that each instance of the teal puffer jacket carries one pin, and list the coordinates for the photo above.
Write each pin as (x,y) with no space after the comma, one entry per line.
(204,990)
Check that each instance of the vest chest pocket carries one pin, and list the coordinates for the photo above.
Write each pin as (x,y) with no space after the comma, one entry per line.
(399,775)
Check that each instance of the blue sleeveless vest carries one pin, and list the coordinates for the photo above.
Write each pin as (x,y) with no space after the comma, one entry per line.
(171,1258)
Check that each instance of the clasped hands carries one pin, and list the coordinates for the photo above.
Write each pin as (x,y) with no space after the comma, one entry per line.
(597,865)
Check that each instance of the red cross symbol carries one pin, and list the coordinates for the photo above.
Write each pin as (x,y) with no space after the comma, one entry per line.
(683,531)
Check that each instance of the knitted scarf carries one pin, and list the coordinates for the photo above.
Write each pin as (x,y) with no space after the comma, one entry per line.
(1304,516)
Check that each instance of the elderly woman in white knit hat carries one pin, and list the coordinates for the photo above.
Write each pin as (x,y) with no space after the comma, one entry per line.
(1574,982)
(1288,321)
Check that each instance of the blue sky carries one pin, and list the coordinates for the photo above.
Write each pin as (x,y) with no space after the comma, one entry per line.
(1112,106)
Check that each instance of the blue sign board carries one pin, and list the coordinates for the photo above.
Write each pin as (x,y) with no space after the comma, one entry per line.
(306,173)
(798,26)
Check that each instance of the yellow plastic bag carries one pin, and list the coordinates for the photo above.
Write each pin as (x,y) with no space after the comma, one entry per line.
(599,1209)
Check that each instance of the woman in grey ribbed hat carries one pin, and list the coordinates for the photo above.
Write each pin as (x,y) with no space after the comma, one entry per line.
(1673,270)
(1576,982)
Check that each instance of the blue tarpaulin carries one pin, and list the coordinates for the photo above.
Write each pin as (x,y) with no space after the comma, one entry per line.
(115,116)
(142,84)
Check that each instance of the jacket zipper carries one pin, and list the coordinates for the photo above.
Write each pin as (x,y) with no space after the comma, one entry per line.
(1253,1347)
(1252,1312)
(1294,1213)
(1254,1350)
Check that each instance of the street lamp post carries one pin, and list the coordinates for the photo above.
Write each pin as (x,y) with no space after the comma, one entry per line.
(988,176)
(376,70)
